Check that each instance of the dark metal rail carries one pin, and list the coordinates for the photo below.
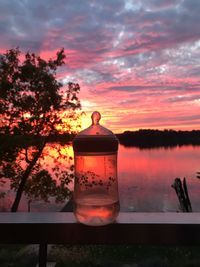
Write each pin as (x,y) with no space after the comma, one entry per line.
(130,228)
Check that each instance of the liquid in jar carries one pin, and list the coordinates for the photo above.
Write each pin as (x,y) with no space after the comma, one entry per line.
(96,189)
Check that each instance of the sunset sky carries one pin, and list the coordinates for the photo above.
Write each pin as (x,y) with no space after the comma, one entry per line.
(137,62)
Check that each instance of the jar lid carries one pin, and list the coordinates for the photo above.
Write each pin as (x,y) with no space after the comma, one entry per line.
(95,138)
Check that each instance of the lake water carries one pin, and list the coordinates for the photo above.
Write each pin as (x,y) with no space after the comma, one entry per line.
(145,178)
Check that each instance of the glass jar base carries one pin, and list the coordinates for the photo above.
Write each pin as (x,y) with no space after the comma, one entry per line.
(96,215)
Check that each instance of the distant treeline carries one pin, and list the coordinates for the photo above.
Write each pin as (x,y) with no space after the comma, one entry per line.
(31,140)
(156,138)
(142,138)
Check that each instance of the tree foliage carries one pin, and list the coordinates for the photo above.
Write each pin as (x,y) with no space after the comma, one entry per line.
(31,99)
(34,104)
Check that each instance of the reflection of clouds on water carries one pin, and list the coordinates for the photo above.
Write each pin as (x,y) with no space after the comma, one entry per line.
(39,205)
(6,201)
(144,177)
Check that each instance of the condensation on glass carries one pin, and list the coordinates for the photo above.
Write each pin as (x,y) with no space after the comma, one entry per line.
(96,199)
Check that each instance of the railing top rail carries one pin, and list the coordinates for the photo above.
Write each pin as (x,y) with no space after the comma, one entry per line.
(130,228)
(123,218)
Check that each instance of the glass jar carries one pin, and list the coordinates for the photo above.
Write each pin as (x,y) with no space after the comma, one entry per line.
(96,199)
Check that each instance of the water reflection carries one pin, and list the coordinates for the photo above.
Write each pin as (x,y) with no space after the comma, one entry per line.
(145,178)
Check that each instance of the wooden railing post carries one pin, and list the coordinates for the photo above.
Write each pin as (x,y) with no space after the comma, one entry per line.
(42,255)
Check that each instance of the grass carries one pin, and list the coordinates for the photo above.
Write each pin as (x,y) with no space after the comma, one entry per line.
(126,256)
(17,256)
(102,256)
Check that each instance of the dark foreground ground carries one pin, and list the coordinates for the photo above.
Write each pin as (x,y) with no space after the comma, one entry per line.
(101,256)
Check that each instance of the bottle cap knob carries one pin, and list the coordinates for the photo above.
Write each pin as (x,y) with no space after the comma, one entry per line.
(96,116)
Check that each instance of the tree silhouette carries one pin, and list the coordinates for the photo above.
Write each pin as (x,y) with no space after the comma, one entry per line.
(32,107)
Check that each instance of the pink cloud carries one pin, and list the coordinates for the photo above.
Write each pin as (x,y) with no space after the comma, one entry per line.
(137,64)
